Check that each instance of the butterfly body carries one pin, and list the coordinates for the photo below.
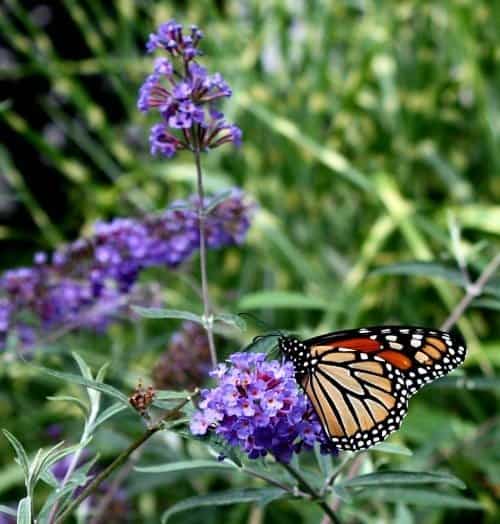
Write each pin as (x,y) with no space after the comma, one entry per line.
(359,381)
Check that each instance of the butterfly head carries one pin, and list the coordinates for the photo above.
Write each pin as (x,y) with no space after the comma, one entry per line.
(295,351)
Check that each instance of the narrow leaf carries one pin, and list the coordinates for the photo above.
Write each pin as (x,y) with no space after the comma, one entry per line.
(76,379)
(232,320)
(185,466)
(48,477)
(108,413)
(74,400)
(84,368)
(24,511)
(167,394)
(156,312)
(471,383)
(21,454)
(8,511)
(222,498)
(418,497)
(398,478)
(396,449)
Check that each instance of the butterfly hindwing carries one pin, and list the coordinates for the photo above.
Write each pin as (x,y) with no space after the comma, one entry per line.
(359,381)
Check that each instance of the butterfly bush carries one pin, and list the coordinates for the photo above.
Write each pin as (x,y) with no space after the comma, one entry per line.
(90,280)
(257,407)
(184,95)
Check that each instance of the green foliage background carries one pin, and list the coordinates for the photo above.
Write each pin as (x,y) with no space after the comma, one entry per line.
(369,127)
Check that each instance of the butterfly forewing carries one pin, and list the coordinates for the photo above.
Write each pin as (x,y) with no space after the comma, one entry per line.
(359,381)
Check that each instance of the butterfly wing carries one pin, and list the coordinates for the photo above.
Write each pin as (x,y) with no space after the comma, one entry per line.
(359,381)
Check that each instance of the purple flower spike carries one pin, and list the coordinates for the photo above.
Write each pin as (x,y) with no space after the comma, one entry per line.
(87,283)
(184,95)
(258,407)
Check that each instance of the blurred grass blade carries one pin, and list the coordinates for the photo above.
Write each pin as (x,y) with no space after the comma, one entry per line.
(280,300)
(434,270)
(47,229)
(331,159)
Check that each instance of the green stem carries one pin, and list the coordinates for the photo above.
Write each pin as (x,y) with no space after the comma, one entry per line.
(121,459)
(207,308)
(314,494)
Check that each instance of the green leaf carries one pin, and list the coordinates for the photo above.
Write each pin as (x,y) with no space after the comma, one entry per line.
(108,413)
(280,299)
(22,457)
(232,320)
(48,477)
(326,155)
(74,400)
(24,511)
(398,478)
(222,498)
(342,493)
(167,394)
(62,495)
(418,497)
(84,368)
(463,382)
(8,511)
(101,374)
(156,312)
(93,384)
(55,454)
(396,449)
(185,466)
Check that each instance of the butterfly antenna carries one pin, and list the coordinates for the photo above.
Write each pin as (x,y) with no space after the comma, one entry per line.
(264,324)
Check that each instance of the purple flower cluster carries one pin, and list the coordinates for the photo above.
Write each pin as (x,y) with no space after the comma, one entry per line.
(89,281)
(258,407)
(185,96)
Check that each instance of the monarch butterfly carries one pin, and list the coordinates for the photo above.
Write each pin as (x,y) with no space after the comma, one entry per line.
(359,381)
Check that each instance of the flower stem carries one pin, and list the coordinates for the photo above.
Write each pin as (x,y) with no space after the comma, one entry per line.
(121,459)
(314,494)
(472,291)
(207,307)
